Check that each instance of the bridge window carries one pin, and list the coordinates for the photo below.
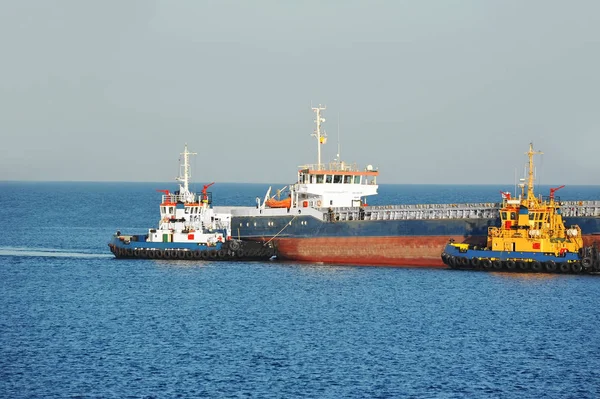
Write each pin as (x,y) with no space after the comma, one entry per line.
(347,179)
(319,179)
(356,179)
(328,178)
(503,216)
(337,178)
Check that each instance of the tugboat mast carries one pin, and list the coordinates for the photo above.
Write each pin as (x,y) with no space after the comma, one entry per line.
(184,189)
(321,137)
(530,193)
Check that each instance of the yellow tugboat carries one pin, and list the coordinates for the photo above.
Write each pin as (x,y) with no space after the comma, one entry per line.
(531,236)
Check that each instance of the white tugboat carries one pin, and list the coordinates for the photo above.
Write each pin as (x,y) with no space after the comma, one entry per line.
(189,228)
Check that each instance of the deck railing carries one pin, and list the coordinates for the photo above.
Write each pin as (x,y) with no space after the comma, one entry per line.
(180,198)
(448,211)
(580,208)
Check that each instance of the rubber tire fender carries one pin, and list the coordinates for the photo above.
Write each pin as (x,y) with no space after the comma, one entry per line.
(586,262)
(576,267)
(536,266)
(565,267)
(451,261)
(550,266)
(523,265)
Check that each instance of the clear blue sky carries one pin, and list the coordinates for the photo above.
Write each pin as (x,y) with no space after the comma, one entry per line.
(427,91)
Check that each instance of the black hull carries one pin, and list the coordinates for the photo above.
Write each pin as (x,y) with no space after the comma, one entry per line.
(244,251)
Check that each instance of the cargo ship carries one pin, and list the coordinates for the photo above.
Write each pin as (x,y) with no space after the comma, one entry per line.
(189,229)
(531,236)
(325,217)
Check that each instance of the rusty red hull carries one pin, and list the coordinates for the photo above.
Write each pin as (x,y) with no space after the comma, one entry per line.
(375,251)
(366,251)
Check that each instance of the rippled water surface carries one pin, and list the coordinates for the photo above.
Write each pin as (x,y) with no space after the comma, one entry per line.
(75,322)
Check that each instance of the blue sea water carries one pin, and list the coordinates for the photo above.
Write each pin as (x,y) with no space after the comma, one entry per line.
(76,322)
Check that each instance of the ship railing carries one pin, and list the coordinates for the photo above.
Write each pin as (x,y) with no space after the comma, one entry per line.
(478,205)
(333,167)
(173,198)
(181,198)
(580,208)
(417,212)
(483,210)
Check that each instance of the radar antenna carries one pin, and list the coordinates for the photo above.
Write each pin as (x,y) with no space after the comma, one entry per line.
(530,193)
(185,176)
(320,135)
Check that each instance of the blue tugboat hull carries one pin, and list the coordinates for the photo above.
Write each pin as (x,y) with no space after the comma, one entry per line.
(587,261)
(136,246)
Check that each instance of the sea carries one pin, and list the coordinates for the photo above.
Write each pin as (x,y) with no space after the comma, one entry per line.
(77,323)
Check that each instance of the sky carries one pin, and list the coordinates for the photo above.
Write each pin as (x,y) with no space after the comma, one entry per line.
(428,92)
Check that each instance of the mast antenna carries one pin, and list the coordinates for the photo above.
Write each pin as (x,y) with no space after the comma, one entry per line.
(320,135)
(185,177)
(530,154)
(338,159)
(516,182)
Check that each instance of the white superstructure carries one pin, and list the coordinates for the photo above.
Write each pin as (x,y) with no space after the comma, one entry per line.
(334,185)
(188,217)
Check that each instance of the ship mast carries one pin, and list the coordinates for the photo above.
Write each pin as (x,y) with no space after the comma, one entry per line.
(530,193)
(184,189)
(321,136)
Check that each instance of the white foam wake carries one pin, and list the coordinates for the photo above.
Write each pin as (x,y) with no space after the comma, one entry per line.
(49,252)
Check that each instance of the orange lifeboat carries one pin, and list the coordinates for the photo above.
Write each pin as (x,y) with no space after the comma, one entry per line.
(284,203)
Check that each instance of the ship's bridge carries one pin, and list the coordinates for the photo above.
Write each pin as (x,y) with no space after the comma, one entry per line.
(335,185)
